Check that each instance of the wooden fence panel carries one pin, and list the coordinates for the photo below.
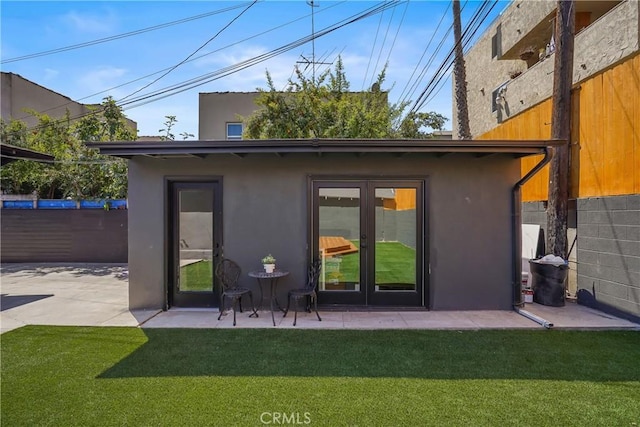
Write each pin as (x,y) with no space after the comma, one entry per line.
(605,135)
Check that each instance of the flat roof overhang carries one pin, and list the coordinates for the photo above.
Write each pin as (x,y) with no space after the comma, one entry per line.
(359,147)
(10,153)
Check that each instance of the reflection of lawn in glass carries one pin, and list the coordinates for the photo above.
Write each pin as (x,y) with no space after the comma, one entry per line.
(196,276)
(395,263)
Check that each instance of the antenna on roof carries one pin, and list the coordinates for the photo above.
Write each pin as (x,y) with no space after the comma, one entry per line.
(313,41)
(312,61)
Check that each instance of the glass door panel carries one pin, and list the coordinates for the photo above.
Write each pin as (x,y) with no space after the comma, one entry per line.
(196,241)
(339,242)
(395,231)
(196,221)
(339,238)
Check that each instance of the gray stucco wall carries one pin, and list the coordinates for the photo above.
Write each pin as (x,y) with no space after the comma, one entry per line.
(265,211)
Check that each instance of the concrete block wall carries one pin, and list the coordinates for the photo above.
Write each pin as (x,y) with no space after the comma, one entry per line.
(534,213)
(609,254)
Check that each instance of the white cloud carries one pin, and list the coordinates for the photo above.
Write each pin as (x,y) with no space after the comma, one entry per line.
(101,78)
(91,23)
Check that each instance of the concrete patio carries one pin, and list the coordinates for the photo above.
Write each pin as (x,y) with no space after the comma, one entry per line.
(97,295)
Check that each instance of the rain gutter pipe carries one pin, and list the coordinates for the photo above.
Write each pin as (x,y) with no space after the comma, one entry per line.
(516,240)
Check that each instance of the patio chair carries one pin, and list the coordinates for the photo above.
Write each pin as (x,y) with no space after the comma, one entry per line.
(228,273)
(308,292)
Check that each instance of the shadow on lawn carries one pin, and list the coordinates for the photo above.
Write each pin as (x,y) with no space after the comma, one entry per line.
(553,355)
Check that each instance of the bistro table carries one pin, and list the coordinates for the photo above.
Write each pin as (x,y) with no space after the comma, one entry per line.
(272,278)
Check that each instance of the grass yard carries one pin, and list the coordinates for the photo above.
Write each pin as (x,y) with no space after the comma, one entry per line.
(395,263)
(197,276)
(82,376)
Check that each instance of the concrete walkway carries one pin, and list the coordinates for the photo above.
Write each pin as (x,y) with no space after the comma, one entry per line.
(97,295)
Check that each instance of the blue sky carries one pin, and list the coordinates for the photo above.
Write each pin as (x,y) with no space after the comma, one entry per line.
(399,35)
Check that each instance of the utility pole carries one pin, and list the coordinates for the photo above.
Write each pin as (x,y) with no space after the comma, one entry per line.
(557,208)
(460,76)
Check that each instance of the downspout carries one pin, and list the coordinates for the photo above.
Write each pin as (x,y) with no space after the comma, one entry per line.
(516,239)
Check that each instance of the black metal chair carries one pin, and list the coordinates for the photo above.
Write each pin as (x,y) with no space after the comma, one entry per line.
(228,273)
(308,292)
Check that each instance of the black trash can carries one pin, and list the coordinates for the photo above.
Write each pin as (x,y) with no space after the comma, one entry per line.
(548,282)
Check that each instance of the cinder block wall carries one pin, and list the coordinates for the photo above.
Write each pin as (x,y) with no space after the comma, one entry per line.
(609,254)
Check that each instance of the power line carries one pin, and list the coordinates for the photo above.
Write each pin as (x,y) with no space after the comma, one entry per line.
(466,41)
(120,36)
(193,53)
(192,59)
(373,46)
(478,18)
(426,49)
(198,81)
(384,41)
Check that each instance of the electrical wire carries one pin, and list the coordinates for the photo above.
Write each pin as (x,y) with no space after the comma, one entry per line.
(373,47)
(193,53)
(168,68)
(424,52)
(477,20)
(466,42)
(354,18)
(384,41)
(223,72)
(119,36)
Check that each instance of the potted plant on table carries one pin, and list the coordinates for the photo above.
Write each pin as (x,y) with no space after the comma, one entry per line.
(269,263)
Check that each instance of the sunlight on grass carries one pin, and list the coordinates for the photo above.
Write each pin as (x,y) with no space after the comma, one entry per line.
(395,263)
(127,376)
(197,276)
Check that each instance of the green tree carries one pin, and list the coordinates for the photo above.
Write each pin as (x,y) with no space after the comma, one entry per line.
(78,171)
(326,108)
(168,135)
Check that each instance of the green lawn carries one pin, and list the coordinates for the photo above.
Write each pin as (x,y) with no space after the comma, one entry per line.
(82,376)
(395,263)
(197,276)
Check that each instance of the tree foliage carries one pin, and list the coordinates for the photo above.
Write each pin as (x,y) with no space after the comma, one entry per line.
(78,171)
(326,108)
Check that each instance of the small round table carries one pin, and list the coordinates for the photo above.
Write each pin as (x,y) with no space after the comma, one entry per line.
(272,278)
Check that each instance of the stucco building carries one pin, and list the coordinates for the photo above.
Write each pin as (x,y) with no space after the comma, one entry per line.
(220,114)
(428,224)
(18,95)
(510,81)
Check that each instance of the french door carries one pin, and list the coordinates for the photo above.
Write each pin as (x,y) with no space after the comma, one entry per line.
(369,235)
(195,242)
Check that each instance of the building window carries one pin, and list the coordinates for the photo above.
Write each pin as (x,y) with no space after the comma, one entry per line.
(234,130)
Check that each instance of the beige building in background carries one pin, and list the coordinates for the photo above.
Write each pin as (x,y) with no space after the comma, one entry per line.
(18,95)
(220,114)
